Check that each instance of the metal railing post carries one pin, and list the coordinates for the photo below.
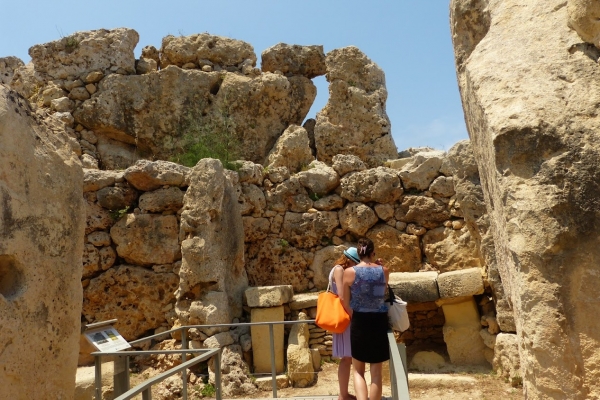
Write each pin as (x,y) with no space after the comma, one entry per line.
(98,377)
(147,394)
(393,380)
(121,375)
(218,374)
(184,345)
(273,367)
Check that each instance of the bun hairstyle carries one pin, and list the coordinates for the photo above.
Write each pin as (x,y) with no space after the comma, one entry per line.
(365,247)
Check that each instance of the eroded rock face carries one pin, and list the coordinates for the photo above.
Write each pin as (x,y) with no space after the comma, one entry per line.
(448,249)
(213,240)
(82,53)
(537,153)
(400,251)
(583,17)
(42,225)
(291,150)
(8,65)
(354,120)
(136,296)
(308,61)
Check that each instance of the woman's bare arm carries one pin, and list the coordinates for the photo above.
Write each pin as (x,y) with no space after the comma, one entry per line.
(348,280)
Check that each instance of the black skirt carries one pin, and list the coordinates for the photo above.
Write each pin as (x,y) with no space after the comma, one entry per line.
(368,337)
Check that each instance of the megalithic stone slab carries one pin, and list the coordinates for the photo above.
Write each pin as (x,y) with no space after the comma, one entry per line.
(417,287)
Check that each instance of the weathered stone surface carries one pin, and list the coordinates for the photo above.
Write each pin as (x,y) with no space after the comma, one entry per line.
(357,218)
(304,300)
(213,240)
(467,282)
(116,198)
(400,252)
(274,262)
(322,263)
(461,333)
(424,211)
(219,340)
(90,260)
(99,238)
(422,170)
(506,358)
(319,178)
(384,211)
(133,295)
(150,175)
(289,195)
(308,61)
(268,296)
(97,218)
(255,228)
(261,347)
(94,179)
(250,173)
(8,65)
(299,358)
(253,110)
(146,239)
(291,150)
(346,163)
(442,186)
(537,160)
(115,154)
(329,203)
(252,199)
(160,200)
(308,229)
(213,309)
(223,51)
(83,52)
(449,249)
(354,120)
(416,287)
(377,184)
(42,225)
(427,361)
(583,17)
(235,375)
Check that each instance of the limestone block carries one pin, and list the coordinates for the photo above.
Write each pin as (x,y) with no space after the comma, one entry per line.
(218,341)
(252,199)
(115,154)
(427,361)
(442,186)
(466,282)
(212,309)
(275,261)
(133,295)
(236,380)
(506,361)
(346,163)
(278,174)
(107,257)
(42,239)
(461,333)
(422,170)
(261,348)
(288,195)
(329,203)
(308,61)
(583,18)
(450,249)
(319,179)
(97,218)
(304,301)
(160,200)
(422,210)
(488,339)
(94,179)
(146,239)
(219,50)
(266,383)
(384,211)
(379,184)
(116,198)
(291,150)
(268,296)
(357,218)
(8,65)
(300,367)
(99,238)
(401,252)
(354,120)
(145,66)
(151,175)
(415,286)
(322,263)
(250,173)
(255,228)
(91,261)
(308,229)
(83,52)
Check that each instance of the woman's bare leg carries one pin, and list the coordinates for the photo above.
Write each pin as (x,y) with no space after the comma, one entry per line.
(376,381)
(344,378)
(360,385)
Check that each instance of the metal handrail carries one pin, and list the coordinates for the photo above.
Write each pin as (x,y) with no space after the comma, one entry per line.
(398,369)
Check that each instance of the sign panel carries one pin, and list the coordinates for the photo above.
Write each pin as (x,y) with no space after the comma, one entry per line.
(106,339)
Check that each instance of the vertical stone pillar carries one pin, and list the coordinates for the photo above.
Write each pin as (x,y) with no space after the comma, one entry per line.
(267,303)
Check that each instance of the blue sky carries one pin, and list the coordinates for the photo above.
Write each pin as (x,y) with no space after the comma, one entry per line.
(409,39)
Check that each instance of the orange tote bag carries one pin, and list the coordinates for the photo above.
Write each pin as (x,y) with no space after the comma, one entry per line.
(331,314)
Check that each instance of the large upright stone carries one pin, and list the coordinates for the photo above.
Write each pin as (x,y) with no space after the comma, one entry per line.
(354,120)
(261,345)
(41,242)
(532,121)
(213,240)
